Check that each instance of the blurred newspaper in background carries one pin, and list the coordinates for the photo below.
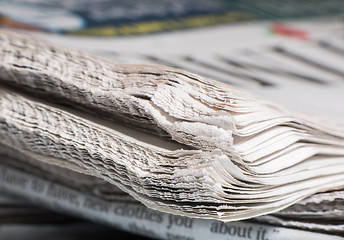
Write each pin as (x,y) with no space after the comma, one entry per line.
(289,52)
(116,17)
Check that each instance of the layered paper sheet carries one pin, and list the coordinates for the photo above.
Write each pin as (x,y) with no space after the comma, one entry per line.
(173,140)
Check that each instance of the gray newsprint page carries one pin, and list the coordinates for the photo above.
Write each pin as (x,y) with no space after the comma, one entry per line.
(137,218)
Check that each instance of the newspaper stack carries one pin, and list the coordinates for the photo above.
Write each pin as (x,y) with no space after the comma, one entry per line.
(175,141)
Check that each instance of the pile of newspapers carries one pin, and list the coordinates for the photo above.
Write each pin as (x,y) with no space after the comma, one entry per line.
(177,142)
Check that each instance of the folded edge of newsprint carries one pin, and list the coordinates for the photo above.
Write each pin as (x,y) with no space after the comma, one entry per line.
(175,141)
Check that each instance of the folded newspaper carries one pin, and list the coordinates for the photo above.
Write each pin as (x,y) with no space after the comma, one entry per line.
(174,141)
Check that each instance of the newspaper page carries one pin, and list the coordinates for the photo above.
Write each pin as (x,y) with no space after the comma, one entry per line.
(137,218)
(289,155)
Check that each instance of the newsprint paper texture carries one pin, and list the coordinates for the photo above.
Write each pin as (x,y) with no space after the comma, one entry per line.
(177,142)
(136,218)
